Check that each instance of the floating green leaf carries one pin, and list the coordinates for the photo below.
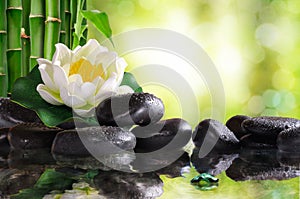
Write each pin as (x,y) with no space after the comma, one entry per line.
(130,81)
(24,93)
(99,20)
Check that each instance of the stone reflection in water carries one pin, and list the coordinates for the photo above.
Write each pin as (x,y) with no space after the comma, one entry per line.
(121,185)
(14,180)
(260,165)
(214,163)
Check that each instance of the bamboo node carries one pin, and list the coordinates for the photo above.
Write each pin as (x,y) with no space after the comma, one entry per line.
(14,8)
(3,32)
(14,49)
(36,16)
(34,57)
(53,19)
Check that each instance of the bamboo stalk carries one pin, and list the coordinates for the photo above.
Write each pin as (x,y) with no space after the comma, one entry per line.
(67,23)
(25,37)
(37,30)
(73,6)
(52,27)
(3,43)
(78,25)
(84,24)
(14,46)
(62,36)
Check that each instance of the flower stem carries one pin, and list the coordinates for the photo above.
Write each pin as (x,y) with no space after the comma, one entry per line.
(67,23)
(25,37)
(14,46)
(52,27)
(37,30)
(3,43)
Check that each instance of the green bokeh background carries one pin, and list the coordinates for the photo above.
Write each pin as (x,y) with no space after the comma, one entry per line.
(255,45)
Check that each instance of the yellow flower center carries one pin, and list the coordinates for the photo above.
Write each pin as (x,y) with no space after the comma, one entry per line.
(87,71)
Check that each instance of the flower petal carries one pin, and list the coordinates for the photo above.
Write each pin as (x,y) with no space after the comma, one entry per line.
(110,85)
(85,112)
(124,90)
(75,78)
(88,48)
(48,95)
(62,55)
(71,100)
(47,76)
(59,76)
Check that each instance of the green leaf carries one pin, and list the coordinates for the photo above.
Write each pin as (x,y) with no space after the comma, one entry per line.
(24,93)
(130,81)
(50,180)
(99,20)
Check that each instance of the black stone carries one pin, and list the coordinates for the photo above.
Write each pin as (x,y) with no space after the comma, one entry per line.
(102,139)
(269,127)
(235,125)
(257,141)
(123,185)
(12,114)
(4,144)
(289,140)
(32,136)
(215,133)
(129,109)
(175,132)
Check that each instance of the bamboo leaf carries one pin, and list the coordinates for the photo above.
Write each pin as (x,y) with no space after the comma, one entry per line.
(50,114)
(100,21)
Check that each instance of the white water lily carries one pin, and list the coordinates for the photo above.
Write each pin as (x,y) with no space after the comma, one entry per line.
(81,78)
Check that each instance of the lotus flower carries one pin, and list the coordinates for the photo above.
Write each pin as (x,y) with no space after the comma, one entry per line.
(81,78)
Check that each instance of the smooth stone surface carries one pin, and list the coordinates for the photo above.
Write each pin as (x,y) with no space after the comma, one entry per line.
(213,163)
(289,159)
(212,132)
(256,142)
(289,140)
(269,127)
(176,132)
(129,109)
(124,185)
(32,136)
(12,114)
(99,138)
(235,125)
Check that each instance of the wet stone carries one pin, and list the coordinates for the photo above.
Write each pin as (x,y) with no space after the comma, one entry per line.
(213,133)
(289,159)
(289,140)
(101,139)
(124,185)
(12,114)
(32,136)
(129,109)
(176,133)
(257,142)
(269,127)
(4,144)
(235,125)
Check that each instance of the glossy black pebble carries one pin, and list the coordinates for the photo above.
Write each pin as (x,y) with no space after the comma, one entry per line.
(289,140)
(215,133)
(68,142)
(129,109)
(235,125)
(257,142)
(32,136)
(175,131)
(268,126)
(12,114)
